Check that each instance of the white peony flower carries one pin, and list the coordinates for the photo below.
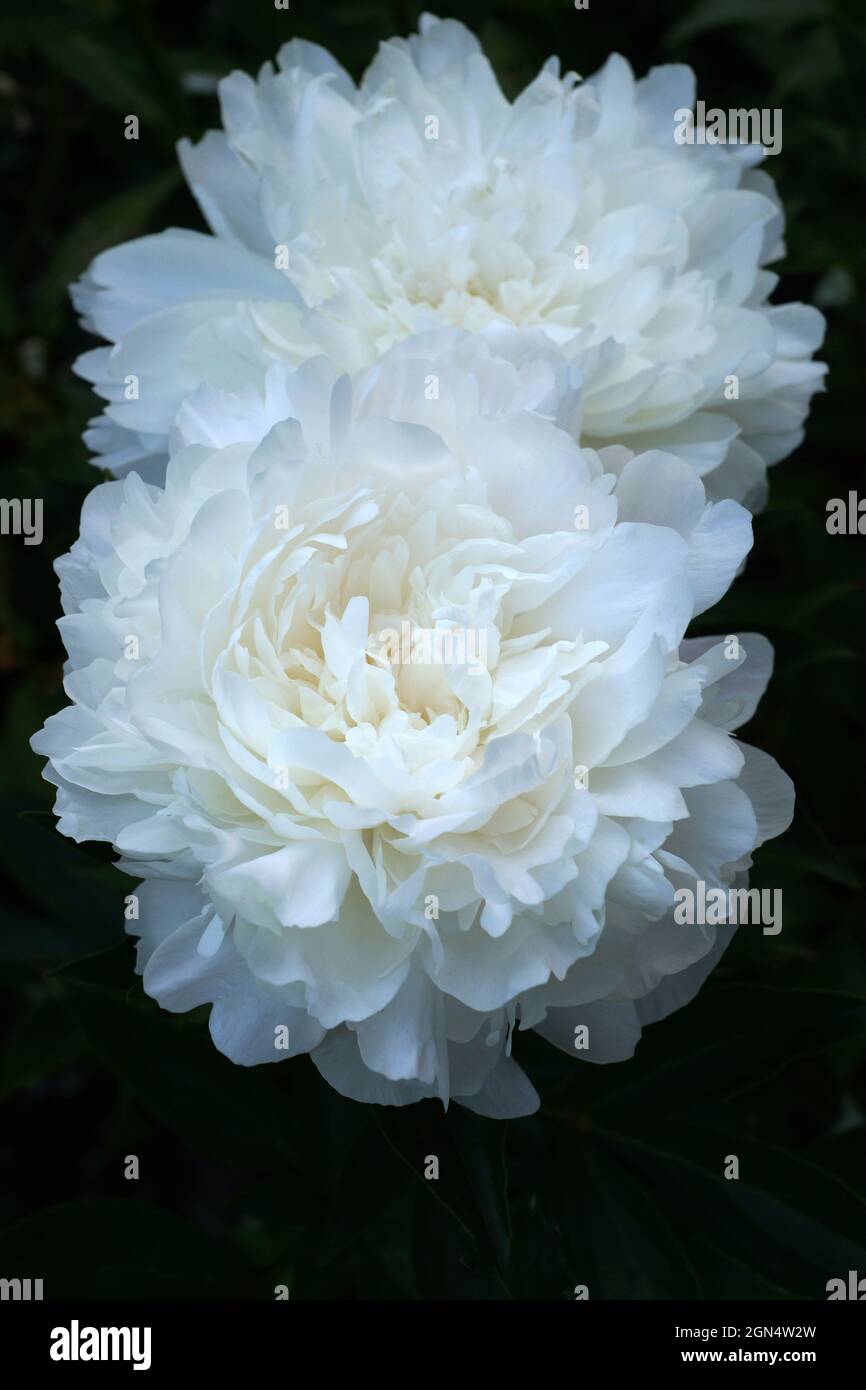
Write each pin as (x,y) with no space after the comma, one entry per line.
(344,219)
(402,853)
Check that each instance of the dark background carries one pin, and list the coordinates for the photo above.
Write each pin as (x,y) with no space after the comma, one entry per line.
(251,1178)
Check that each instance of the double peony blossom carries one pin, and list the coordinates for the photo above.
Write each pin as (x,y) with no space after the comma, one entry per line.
(426,458)
(344,218)
(390,863)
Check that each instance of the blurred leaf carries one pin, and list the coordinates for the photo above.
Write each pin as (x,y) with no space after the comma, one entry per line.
(28,708)
(796,1224)
(716,14)
(115,1249)
(725,1275)
(181,1078)
(370,1178)
(448,1264)
(732,1038)
(40,30)
(116,80)
(637,1253)
(122,217)
(83,897)
(40,1042)
(471,1182)
(843,1154)
(481,1146)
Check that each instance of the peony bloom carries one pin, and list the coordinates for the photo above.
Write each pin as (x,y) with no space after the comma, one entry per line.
(393,855)
(345,218)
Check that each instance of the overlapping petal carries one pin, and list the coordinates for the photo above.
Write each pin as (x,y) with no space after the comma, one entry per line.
(345,218)
(386,697)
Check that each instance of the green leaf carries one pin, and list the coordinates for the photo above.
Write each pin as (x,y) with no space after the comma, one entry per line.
(118,1249)
(113,79)
(726,1275)
(126,215)
(481,1146)
(83,897)
(371,1179)
(182,1080)
(40,1042)
(718,14)
(730,1039)
(843,1154)
(471,1186)
(29,945)
(796,1224)
(447,1261)
(637,1253)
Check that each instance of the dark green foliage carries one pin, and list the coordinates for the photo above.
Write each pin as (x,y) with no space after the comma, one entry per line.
(255,1178)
